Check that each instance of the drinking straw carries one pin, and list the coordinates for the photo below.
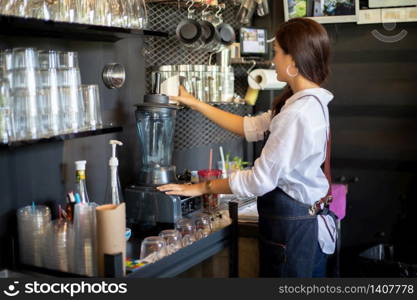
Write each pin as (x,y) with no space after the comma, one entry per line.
(71,196)
(223,161)
(64,214)
(77,198)
(211,159)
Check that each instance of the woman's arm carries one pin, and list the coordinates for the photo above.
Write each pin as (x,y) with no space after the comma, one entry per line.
(226,120)
(217,186)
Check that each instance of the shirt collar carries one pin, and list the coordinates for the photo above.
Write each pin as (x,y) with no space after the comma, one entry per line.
(324,95)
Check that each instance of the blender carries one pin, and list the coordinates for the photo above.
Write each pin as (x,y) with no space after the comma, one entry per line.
(149,210)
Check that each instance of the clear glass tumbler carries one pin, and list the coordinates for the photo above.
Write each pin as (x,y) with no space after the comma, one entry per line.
(91,97)
(68,59)
(153,248)
(68,10)
(25,58)
(48,59)
(26,121)
(87,11)
(173,240)
(70,94)
(187,230)
(203,225)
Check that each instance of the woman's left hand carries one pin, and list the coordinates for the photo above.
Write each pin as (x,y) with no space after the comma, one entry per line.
(190,190)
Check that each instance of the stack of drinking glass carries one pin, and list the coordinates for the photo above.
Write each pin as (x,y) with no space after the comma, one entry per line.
(33,223)
(41,95)
(116,13)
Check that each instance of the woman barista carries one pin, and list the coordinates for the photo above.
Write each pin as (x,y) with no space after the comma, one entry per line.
(287,177)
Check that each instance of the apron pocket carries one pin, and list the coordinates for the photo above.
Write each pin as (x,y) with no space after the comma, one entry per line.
(273,258)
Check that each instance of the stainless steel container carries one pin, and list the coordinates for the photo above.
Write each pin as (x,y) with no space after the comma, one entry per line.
(213,82)
(227,79)
(185,77)
(199,80)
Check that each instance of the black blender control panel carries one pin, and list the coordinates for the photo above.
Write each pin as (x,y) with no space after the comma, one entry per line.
(190,204)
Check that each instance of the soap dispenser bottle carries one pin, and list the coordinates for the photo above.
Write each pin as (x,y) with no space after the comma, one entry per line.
(114,191)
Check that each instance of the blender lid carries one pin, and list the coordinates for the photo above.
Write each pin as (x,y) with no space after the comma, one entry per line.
(156,101)
(157,105)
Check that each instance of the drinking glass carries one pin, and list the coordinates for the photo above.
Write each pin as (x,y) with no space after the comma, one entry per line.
(117,12)
(48,59)
(7,7)
(6,131)
(153,248)
(25,58)
(87,11)
(139,14)
(49,95)
(91,97)
(68,10)
(43,9)
(173,240)
(17,8)
(203,225)
(187,230)
(103,13)
(70,94)
(68,59)
(25,115)
(6,58)
(25,78)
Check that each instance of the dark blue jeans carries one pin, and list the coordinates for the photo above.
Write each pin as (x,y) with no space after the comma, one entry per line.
(288,237)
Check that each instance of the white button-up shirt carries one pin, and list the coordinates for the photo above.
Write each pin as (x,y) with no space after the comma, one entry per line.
(292,157)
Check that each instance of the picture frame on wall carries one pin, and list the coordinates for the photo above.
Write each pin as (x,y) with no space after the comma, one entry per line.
(322,11)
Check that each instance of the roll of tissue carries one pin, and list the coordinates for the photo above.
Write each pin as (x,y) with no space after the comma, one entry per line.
(262,79)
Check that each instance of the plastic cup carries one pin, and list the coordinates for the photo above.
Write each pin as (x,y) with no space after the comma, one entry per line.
(210,201)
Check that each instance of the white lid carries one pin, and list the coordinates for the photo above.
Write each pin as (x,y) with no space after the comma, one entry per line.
(80,165)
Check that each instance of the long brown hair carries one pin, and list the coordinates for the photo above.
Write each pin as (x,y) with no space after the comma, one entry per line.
(308,44)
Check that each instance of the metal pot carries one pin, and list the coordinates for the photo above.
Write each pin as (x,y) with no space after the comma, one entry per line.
(189,32)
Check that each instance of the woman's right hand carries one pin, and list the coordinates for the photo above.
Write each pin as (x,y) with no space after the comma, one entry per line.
(185,98)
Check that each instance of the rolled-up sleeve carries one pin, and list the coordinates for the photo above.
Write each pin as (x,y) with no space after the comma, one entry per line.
(254,127)
(289,143)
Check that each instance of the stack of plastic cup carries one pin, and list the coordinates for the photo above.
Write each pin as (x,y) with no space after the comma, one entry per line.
(85,246)
(58,246)
(33,222)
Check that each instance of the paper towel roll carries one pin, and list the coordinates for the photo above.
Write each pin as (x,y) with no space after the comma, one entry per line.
(262,79)
(111,228)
